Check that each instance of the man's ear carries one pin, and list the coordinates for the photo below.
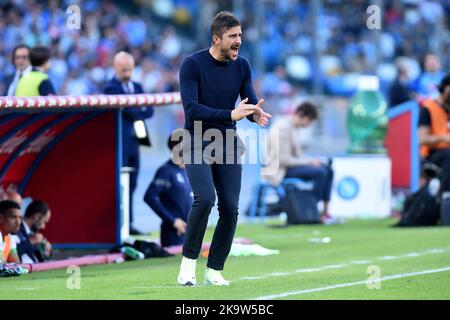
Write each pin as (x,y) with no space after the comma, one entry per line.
(216,39)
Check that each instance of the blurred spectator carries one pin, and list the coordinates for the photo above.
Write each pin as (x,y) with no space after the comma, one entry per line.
(170,44)
(122,84)
(434,132)
(36,82)
(21,61)
(170,196)
(77,83)
(431,77)
(276,83)
(163,31)
(32,246)
(400,91)
(286,152)
(14,196)
(10,194)
(10,219)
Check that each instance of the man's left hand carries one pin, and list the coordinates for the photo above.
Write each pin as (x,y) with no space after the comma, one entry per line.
(261,117)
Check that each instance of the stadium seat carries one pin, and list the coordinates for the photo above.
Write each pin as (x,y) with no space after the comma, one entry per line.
(258,205)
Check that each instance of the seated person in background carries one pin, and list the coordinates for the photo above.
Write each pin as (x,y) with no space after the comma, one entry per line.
(170,196)
(10,219)
(285,151)
(434,131)
(33,246)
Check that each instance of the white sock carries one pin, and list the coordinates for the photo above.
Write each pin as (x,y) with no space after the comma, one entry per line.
(188,264)
(213,272)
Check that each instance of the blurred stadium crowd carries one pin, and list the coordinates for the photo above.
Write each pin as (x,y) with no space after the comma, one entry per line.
(277,40)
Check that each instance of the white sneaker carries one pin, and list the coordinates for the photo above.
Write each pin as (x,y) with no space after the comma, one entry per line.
(186,276)
(215,278)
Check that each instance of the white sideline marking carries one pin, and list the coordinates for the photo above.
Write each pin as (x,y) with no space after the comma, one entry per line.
(412,254)
(279,274)
(388,258)
(308,270)
(436,250)
(342,265)
(350,284)
(169,286)
(317,269)
(335,266)
(253,277)
(361,262)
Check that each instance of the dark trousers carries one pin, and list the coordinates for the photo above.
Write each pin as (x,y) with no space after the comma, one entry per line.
(169,236)
(441,158)
(205,179)
(322,177)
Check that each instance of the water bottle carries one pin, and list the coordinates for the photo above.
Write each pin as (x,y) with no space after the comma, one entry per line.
(132,254)
(367,119)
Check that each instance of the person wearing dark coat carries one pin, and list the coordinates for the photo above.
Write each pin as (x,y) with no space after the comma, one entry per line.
(122,84)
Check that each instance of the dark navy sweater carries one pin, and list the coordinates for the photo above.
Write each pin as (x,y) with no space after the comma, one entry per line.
(170,194)
(209,89)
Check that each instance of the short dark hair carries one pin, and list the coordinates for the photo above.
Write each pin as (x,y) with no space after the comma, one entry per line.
(39,55)
(308,110)
(223,21)
(20,46)
(36,207)
(7,205)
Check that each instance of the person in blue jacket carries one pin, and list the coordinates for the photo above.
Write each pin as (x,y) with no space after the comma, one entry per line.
(122,84)
(170,196)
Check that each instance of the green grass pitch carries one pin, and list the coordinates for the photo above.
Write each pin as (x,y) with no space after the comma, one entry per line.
(412,263)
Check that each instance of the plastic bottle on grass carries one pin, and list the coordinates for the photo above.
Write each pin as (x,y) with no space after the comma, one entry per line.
(131,253)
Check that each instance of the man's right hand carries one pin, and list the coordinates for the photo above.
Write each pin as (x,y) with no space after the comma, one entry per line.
(48,248)
(180,226)
(36,238)
(316,162)
(243,110)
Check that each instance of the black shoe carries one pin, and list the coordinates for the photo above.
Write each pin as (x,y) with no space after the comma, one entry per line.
(135,232)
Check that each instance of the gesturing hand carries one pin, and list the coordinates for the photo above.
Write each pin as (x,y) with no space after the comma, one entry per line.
(180,226)
(261,117)
(243,110)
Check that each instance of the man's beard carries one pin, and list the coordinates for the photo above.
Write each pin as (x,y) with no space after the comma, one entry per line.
(225,52)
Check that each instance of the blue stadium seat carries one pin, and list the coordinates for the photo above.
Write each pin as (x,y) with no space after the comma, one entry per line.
(258,206)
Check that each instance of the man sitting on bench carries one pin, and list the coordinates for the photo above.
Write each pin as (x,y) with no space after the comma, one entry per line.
(285,137)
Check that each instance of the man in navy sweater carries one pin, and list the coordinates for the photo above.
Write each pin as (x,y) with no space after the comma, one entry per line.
(170,196)
(210,82)
(122,84)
